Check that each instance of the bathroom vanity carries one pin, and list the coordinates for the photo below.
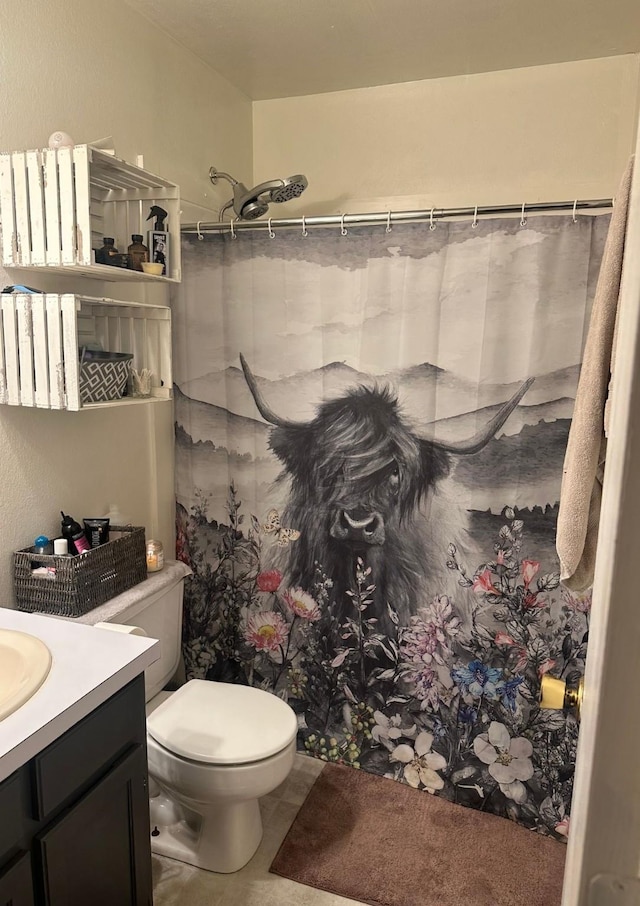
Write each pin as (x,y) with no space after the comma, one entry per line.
(74,811)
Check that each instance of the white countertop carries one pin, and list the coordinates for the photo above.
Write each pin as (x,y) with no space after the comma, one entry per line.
(89,665)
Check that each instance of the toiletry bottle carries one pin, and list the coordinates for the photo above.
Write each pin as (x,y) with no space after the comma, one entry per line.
(138,252)
(158,239)
(60,547)
(72,531)
(115,517)
(96,530)
(42,545)
(107,254)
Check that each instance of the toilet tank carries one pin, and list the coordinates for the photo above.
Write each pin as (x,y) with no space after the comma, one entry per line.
(154,605)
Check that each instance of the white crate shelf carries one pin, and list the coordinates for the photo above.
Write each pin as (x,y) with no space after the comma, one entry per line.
(41,335)
(57,205)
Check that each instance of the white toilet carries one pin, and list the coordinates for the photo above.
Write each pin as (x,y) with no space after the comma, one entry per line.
(214,748)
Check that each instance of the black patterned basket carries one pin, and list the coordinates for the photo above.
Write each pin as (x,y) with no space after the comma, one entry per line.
(82,582)
(103,375)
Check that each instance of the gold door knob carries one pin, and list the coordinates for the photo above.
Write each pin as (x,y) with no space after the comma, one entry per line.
(556,695)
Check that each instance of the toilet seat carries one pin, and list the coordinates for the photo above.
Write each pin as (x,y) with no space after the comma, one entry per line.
(223,723)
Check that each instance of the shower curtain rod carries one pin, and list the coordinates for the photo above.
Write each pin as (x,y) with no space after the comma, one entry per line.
(390,217)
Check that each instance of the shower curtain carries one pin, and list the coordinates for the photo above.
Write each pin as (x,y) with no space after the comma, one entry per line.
(370,539)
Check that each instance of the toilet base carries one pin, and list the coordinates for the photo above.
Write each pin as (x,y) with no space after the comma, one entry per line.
(223,839)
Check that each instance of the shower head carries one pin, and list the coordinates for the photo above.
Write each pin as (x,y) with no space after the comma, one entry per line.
(289,188)
(248,204)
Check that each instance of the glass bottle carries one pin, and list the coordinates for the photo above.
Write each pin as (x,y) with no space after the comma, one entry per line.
(138,252)
(107,252)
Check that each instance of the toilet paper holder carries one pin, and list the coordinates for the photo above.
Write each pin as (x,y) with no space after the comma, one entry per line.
(558,695)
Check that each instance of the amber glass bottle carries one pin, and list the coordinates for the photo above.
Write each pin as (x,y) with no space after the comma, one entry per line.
(107,253)
(138,252)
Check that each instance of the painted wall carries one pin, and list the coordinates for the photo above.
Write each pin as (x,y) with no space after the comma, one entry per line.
(537,134)
(96,72)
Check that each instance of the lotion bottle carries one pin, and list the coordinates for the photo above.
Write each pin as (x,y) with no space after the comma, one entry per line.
(115,517)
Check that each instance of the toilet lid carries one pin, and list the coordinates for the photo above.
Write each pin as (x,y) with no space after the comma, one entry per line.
(223,723)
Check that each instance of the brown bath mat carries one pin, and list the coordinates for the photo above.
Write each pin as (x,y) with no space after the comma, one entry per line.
(375,840)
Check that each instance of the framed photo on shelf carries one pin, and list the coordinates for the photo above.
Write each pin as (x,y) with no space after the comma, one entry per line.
(159,249)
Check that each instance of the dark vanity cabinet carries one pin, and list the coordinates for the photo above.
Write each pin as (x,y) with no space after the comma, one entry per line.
(74,821)
(16,886)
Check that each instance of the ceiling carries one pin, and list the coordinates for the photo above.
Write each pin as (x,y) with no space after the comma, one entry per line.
(285,48)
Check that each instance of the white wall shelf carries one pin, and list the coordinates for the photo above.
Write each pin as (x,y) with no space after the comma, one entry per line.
(41,335)
(102,272)
(57,205)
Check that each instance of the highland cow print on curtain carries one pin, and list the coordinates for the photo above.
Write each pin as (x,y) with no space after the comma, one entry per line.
(370,432)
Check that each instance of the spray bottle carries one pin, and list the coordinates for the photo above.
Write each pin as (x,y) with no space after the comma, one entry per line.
(158,240)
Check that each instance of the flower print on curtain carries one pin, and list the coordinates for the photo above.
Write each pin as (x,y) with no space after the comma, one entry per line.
(400,594)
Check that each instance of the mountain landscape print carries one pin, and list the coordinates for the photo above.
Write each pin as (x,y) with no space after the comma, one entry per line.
(221,433)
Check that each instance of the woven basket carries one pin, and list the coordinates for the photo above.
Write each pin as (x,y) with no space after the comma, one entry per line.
(84,581)
(104,375)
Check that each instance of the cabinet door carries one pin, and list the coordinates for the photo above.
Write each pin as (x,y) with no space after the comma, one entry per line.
(99,852)
(16,888)
(11,812)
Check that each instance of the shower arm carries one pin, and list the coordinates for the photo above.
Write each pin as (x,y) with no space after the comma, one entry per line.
(262,189)
(215,175)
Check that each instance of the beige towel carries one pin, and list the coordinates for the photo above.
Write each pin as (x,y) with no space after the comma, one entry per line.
(579,515)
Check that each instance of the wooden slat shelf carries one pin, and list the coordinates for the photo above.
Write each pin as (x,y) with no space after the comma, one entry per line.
(103,272)
(41,335)
(57,205)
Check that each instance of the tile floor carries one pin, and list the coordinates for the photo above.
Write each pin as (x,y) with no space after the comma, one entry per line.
(177,884)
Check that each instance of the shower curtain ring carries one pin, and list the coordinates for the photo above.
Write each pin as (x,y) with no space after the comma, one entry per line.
(523,221)
(575,205)
(432,225)
(200,236)
(272,235)
(305,231)
(475,218)
(388,229)
(343,230)
(233,232)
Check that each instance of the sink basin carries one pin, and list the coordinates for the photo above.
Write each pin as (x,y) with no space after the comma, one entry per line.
(25,662)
